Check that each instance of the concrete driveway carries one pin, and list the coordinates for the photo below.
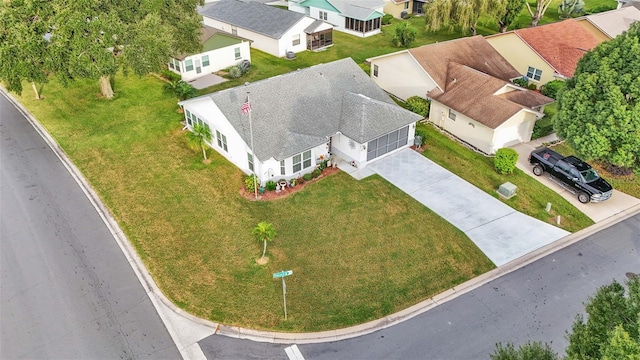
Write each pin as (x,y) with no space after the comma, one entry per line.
(618,202)
(501,232)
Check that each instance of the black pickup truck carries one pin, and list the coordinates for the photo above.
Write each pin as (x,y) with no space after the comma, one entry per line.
(571,173)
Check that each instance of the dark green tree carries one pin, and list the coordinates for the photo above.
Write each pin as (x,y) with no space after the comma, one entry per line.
(599,108)
(23,44)
(529,351)
(94,39)
(464,14)
(404,34)
(509,14)
(608,310)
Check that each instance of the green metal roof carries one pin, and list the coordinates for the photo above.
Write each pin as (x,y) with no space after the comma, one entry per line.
(219,41)
(321,4)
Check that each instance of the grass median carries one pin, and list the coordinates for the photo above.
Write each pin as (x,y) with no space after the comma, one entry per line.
(359,250)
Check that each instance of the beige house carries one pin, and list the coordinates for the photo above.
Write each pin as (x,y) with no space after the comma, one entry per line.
(609,24)
(469,85)
(485,112)
(547,52)
(398,8)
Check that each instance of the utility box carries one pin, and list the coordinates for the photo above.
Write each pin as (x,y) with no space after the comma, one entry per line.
(507,190)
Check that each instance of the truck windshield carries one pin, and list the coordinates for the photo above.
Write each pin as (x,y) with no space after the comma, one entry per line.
(589,175)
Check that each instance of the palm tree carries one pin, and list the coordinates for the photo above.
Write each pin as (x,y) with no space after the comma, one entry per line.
(180,89)
(200,136)
(264,232)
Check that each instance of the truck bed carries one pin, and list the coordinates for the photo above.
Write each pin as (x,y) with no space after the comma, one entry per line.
(546,155)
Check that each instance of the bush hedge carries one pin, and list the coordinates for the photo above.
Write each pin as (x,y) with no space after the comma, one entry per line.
(419,105)
(505,160)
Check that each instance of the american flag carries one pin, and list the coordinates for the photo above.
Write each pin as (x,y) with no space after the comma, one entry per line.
(246,107)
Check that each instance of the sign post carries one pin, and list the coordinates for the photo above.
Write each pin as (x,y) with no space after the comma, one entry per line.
(282,275)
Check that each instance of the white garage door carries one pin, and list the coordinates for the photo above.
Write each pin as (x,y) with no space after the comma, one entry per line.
(387,143)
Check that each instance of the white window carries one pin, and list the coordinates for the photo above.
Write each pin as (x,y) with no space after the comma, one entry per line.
(171,64)
(322,15)
(187,115)
(222,140)
(234,30)
(237,52)
(534,74)
(452,115)
(406,5)
(250,160)
(295,40)
(375,70)
(174,64)
(205,60)
(282,169)
(302,161)
(188,65)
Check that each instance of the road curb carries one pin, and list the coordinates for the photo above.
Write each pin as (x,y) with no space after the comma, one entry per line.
(208,327)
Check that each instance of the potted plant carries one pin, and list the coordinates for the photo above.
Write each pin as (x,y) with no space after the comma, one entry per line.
(292,182)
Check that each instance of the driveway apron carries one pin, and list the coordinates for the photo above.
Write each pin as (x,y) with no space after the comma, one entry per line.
(501,232)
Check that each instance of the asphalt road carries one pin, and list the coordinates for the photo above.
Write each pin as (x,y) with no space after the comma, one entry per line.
(66,289)
(537,302)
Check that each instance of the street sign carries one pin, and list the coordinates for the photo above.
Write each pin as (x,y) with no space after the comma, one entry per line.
(282,274)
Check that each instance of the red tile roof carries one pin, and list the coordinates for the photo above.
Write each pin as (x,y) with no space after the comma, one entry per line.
(561,44)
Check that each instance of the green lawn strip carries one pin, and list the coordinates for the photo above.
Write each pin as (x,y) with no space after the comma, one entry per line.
(359,249)
(479,170)
(629,185)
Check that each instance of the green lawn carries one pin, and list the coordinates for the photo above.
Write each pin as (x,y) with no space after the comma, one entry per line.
(479,170)
(359,250)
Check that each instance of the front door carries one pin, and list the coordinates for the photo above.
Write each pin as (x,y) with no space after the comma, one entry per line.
(198,67)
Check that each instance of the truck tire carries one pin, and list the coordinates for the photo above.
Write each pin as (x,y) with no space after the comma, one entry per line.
(583,197)
(538,170)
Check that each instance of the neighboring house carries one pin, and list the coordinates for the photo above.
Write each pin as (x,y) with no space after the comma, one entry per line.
(219,50)
(414,72)
(609,24)
(483,111)
(272,30)
(546,52)
(398,8)
(627,3)
(356,17)
(300,117)
(468,83)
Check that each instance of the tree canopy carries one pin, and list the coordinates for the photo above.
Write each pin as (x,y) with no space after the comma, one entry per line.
(448,14)
(94,39)
(509,13)
(538,12)
(599,108)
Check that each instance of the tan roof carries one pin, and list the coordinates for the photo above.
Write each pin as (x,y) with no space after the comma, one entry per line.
(561,44)
(615,22)
(474,52)
(471,92)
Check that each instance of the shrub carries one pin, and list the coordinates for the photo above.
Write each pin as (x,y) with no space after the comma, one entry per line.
(315,173)
(532,86)
(235,72)
(505,160)
(170,75)
(180,89)
(270,185)
(307,177)
(300,180)
(386,19)
(404,34)
(551,88)
(419,105)
(542,127)
(249,183)
(244,66)
(521,82)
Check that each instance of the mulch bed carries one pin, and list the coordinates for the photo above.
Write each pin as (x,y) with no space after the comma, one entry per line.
(272,195)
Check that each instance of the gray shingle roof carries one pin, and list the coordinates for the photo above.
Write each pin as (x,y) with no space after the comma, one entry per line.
(297,111)
(357,9)
(257,17)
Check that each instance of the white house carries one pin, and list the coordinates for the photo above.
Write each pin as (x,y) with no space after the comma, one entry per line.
(301,117)
(468,83)
(272,30)
(356,17)
(220,50)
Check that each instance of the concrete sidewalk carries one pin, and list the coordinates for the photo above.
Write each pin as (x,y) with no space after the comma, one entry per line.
(618,203)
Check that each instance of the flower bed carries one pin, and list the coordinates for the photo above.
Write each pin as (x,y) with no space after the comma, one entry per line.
(273,195)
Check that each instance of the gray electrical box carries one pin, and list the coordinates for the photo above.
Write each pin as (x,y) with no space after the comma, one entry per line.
(507,190)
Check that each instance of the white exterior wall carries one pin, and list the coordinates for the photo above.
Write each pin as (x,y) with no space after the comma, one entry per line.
(218,60)
(275,47)
(475,134)
(516,130)
(401,75)
(294,6)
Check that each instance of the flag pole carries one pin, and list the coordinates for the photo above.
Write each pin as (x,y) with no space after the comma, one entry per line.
(253,154)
